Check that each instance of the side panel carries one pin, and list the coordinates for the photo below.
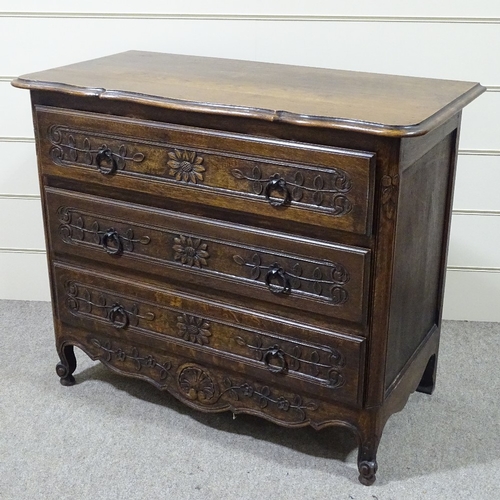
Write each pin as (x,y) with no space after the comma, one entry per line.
(420,252)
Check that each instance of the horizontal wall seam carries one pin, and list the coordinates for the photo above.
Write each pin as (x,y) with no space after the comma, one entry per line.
(488,213)
(23,250)
(255,17)
(14,196)
(479,152)
(17,139)
(465,152)
(34,197)
(473,269)
(478,269)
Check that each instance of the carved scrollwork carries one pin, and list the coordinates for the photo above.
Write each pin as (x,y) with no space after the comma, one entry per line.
(83,300)
(322,362)
(367,459)
(390,192)
(295,187)
(198,385)
(337,276)
(264,397)
(70,147)
(76,226)
(367,472)
(120,355)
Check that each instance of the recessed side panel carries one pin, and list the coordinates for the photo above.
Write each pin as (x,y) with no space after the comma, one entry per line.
(420,249)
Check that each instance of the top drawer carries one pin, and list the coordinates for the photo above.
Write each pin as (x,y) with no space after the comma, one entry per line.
(309,184)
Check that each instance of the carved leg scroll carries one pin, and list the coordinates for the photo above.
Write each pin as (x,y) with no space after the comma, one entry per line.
(369,434)
(67,365)
(367,461)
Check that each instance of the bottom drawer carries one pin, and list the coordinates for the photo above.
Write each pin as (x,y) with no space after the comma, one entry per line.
(110,314)
(201,386)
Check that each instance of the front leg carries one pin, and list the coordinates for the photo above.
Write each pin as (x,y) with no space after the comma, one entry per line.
(67,365)
(367,460)
(370,429)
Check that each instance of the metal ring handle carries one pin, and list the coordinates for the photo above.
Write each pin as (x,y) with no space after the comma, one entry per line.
(277,273)
(112,243)
(277,184)
(106,164)
(275,353)
(118,316)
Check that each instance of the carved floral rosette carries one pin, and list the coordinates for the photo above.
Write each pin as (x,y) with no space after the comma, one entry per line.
(208,388)
(203,388)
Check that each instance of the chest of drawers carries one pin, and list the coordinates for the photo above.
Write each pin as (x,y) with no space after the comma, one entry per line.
(250,237)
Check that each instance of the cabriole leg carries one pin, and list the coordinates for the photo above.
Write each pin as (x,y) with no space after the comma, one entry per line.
(370,429)
(67,365)
(367,461)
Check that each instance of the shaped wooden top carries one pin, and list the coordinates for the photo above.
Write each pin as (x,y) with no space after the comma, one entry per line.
(366,102)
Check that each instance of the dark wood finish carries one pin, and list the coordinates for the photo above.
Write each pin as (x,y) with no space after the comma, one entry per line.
(417,259)
(379,104)
(168,319)
(325,278)
(325,186)
(250,237)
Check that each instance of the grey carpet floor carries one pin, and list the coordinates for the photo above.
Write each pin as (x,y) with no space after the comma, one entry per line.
(110,437)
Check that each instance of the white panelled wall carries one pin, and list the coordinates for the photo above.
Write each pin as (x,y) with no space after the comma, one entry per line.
(451,39)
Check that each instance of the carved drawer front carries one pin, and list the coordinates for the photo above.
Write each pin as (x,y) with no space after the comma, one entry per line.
(111,311)
(276,269)
(309,184)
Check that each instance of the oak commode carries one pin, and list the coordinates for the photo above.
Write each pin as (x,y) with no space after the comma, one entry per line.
(251,237)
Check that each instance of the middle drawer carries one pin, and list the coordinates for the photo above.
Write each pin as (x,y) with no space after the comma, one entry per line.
(320,277)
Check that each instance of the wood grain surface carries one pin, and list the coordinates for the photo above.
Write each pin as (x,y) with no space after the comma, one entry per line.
(380,104)
(193,214)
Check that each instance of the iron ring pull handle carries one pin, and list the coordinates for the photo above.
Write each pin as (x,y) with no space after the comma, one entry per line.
(277,274)
(275,353)
(106,163)
(277,184)
(118,316)
(112,243)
